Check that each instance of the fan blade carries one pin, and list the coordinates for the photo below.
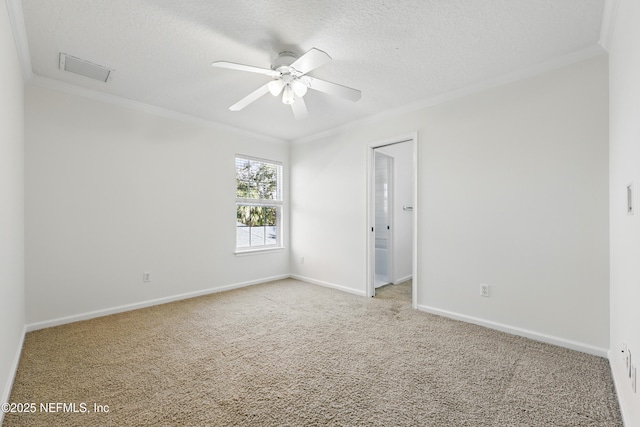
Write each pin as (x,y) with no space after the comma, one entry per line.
(299,109)
(249,68)
(262,90)
(311,60)
(333,89)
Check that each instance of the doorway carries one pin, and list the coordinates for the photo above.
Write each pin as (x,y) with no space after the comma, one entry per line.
(392,215)
(383,218)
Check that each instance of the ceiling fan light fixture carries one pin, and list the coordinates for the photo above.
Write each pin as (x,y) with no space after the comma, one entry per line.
(288,97)
(299,88)
(289,77)
(275,87)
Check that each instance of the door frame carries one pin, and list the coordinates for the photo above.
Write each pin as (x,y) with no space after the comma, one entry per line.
(370,213)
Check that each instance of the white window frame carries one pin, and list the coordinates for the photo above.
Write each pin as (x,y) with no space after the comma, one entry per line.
(276,203)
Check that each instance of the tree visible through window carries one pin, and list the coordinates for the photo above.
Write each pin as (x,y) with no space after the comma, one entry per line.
(258,203)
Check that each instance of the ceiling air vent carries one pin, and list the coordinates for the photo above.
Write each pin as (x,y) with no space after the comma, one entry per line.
(85,68)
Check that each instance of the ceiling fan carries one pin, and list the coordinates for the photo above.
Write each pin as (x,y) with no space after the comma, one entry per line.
(289,77)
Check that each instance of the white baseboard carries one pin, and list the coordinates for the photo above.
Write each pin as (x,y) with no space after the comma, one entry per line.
(328,285)
(6,393)
(402,279)
(626,418)
(128,307)
(549,339)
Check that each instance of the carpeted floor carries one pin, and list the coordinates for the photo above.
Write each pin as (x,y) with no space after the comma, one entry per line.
(399,292)
(288,353)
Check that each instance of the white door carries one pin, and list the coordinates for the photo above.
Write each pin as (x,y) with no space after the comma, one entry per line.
(383,218)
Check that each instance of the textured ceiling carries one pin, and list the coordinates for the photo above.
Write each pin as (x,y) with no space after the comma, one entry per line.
(397,53)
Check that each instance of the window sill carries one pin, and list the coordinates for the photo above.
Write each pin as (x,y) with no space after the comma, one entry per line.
(257,251)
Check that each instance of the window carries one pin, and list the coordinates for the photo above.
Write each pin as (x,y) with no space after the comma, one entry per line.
(258,204)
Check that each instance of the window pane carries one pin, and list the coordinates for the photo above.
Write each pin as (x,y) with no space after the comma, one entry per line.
(256,226)
(243,239)
(257,236)
(242,215)
(271,235)
(270,215)
(258,180)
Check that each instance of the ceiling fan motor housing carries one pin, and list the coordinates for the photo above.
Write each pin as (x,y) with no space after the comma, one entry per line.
(284,60)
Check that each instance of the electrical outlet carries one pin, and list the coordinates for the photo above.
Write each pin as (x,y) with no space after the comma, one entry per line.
(484,290)
(146,277)
(633,378)
(301,260)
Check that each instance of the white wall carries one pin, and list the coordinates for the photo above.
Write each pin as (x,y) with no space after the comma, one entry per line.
(112,192)
(513,192)
(12,309)
(625,229)
(328,213)
(402,219)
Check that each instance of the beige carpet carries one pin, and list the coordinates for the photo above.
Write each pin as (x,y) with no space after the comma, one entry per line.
(292,354)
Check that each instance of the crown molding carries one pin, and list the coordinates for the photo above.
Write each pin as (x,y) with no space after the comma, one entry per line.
(16,18)
(563,61)
(64,87)
(608,23)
